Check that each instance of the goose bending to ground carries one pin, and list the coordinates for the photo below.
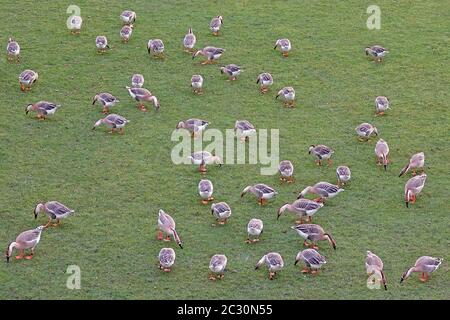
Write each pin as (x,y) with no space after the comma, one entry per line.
(107,100)
(265,80)
(425,265)
(26,240)
(313,233)
(254,229)
(274,263)
(417,161)
(166,225)
(374,266)
(343,174)
(217,265)
(321,152)
(288,95)
(313,260)
(365,131)
(325,190)
(142,95)
(302,207)
(381,105)
(381,152)
(202,158)
(221,211)
(284,45)
(43,109)
(243,129)
(212,54)
(166,259)
(262,191)
(54,210)
(27,79)
(194,126)
(376,52)
(413,187)
(114,121)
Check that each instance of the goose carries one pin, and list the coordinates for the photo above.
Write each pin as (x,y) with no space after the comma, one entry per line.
(42,108)
(376,52)
(107,100)
(195,126)
(365,131)
(26,240)
(221,211)
(321,152)
(202,158)
(142,95)
(301,207)
(128,17)
(374,266)
(254,229)
(27,78)
(231,70)
(265,80)
(101,43)
(343,174)
(166,259)
(381,105)
(155,47)
(215,25)
(197,84)
(205,190)
(413,187)
(262,191)
(244,129)
(125,33)
(114,121)
(417,161)
(166,225)
(284,45)
(313,260)
(274,263)
(137,80)
(313,233)
(286,169)
(75,24)
(425,265)
(325,190)
(217,265)
(288,95)
(189,41)
(211,53)
(54,210)
(381,152)
(13,50)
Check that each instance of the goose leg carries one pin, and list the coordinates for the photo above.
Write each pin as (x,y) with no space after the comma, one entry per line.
(121,130)
(314,272)
(48,223)
(167,239)
(29,257)
(160,235)
(271,275)
(21,255)
(305,270)
(306,244)
(330,162)
(212,277)
(58,222)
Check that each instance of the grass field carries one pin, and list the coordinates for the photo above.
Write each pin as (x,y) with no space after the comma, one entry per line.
(117,183)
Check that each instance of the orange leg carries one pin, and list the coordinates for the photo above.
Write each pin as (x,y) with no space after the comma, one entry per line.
(121,131)
(305,270)
(202,168)
(160,235)
(58,222)
(48,223)
(21,255)
(29,257)
(167,239)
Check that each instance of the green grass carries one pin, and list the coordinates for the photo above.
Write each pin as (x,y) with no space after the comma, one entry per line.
(118,183)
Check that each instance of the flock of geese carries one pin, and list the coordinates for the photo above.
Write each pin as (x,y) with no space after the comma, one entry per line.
(302,207)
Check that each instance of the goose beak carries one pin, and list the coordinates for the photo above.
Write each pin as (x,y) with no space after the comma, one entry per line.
(407,204)
(274,47)
(385,167)
(401,279)
(7,259)
(181,246)
(93,128)
(385,287)
(295,263)
(35,216)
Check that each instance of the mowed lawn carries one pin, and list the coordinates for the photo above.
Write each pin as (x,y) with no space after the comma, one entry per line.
(117,183)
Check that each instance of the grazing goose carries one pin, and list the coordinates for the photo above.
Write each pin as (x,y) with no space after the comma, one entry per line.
(197,84)
(211,53)
(313,233)
(417,161)
(284,45)
(215,25)
(381,105)
(425,265)
(125,33)
(114,121)
(137,80)
(107,100)
(27,78)
(265,80)
(194,126)
(54,210)
(155,47)
(202,158)
(286,169)
(302,207)
(13,50)
(413,187)
(42,108)
(274,263)
(254,229)
(313,260)
(166,225)
(166,259)
(101,42)
(189,41)
(142,95)
(244,129)
(321,152)
(221,211)
(231,70)
(343,174)
(288,95)
(325,190)
(217,265)
(381,152)
(365,131)
(374,266)
(376,52)
(262,191)
(205,190)
(128,17)
(75,24)
(26,240)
